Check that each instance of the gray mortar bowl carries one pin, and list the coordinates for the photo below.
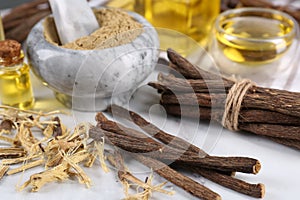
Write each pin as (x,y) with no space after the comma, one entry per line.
(90,80)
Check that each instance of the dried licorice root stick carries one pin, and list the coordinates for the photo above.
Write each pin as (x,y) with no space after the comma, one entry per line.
(162,136)
(254,190)
(154,131)
(281,101)
(246,115)
(141,143)
(20,20)
(173,84)
(189,185)
(210,107)
(13,23)
(188,70)
(21,31)
(138,145)
(273,130)
(122,138)
(256,125)
(201,99)
(19,11)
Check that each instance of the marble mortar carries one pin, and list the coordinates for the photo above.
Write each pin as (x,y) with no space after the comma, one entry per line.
(90,80)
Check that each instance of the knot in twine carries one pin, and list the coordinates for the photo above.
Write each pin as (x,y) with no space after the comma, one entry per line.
(233,103)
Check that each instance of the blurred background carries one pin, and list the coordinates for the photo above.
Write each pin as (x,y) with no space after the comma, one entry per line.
(194,18)
(11,3)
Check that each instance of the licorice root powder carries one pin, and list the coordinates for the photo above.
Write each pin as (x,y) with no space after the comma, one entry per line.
(116,28)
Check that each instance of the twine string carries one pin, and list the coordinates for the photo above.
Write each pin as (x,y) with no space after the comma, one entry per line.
(233,103)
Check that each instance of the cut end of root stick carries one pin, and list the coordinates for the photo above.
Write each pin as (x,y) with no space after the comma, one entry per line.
(256,167)
(263,190)
(100,117)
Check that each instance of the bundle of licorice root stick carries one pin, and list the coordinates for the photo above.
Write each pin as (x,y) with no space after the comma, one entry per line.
(167,154)
(239,105)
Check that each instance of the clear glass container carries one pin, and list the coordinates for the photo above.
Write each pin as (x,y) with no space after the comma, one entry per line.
(260,44)
(254,35)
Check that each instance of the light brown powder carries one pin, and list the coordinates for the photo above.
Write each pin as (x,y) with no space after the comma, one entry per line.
(117,28)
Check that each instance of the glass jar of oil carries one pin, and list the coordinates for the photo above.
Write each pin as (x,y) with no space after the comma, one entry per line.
(180,21)
(254,35)
(15,84)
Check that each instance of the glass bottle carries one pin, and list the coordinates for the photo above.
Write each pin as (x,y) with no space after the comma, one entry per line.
(15,84)
(124,4)
(2,37)
(180,23)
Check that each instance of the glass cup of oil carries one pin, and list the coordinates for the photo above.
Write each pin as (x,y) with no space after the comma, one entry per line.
(254,43)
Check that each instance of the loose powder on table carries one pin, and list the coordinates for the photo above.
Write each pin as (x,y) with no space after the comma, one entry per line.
(116,28)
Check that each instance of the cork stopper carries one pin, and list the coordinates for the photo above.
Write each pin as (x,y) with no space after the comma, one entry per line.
(10,52)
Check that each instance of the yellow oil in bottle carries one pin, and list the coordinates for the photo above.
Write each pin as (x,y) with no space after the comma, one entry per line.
(2,36)
(181,24)
(124,4)
(255,39)
(15,86)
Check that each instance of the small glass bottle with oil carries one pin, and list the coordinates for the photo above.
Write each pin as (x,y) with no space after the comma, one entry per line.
(180,23)
(15,84)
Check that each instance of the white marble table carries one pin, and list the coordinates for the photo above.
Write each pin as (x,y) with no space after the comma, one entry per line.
(280,165)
